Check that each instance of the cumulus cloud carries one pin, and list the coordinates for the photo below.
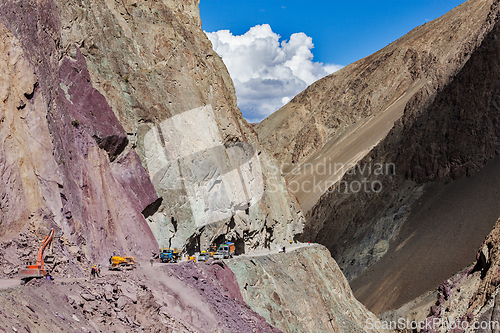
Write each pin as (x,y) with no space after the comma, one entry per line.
(267,73)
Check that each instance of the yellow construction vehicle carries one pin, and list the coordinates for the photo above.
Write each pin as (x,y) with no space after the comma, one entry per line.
(212,250)
(35,270)
(118,263)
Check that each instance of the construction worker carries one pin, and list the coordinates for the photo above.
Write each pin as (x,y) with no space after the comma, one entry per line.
(92,272)
(111,258)
(98,272)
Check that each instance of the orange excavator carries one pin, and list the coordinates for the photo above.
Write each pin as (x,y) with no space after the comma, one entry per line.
(34,270)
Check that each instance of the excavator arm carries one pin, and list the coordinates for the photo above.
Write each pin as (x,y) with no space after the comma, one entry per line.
(43,246)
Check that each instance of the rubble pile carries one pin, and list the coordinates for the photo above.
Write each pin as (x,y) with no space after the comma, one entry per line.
(185,297)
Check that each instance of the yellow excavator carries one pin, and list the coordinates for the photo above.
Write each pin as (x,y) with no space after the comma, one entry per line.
(36,269)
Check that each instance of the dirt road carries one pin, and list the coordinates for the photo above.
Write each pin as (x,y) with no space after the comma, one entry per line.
(288,248)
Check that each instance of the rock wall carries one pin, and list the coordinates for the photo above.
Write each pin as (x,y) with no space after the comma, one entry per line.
(176,102)
(59,140)
(301,291)
(119,119)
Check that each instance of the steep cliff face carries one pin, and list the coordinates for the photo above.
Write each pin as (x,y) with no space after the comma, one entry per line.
(56,156)
(116,109)
(393,181)
(176,101)
(301,291)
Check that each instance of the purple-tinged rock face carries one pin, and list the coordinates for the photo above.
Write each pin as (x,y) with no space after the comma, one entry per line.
(100,187)
(89,107)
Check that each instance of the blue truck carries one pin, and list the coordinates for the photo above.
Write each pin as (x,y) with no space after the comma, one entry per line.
(169,255)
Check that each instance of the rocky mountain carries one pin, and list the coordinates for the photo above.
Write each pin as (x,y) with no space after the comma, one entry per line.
(469,299)
(384,156)
(304,291)
(339,119)
(119,130)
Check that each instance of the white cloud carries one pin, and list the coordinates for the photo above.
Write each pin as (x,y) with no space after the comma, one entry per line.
(267,73)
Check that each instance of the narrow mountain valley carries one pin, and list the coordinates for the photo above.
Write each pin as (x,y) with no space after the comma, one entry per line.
(372,196)
(409,139)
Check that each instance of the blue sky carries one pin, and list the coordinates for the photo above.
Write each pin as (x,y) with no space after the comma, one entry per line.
(341,31)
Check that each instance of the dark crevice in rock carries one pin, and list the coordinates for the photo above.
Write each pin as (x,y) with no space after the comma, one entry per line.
(219,240)
(174,223)
(193,243)
(114,145)
(239,246)
(152,208)
(32,93)
(231,224)
(269,237)
(21,105)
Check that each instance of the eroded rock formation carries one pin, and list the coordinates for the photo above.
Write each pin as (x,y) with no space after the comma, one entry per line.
(301,291)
